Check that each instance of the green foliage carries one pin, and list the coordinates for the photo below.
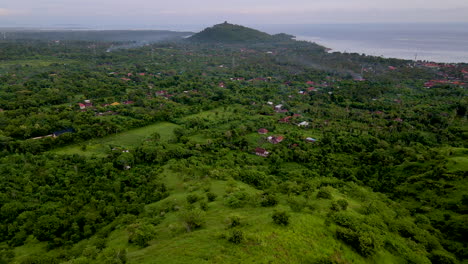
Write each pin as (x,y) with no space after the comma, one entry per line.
(114,256)
(192,198)
(192,219)
(395,150)
(234,221)
(325,193)
(140,234)
(211,196)
(228,33)
(36,259)
(442,257)
(281,218)
(237,199)
(269,200)
(236,237)
(297,203)
(366,243)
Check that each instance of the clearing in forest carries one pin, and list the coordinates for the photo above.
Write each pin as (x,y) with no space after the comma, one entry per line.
(127,139)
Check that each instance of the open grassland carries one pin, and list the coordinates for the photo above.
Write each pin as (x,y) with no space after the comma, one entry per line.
(34,62)
(307,239)
(128,139)
(458,159)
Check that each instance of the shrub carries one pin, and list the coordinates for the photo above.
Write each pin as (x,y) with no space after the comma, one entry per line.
(441,257)
(343,204)
(236,237)
(192,198)
(281,218)
(115,256)
(192,219)
(210,196)
(335,207)
(365,243)
(297,203)
(237,199)
(36,259)
(269,200)
(204,205)
(234,220)
(141,234)
(324,193)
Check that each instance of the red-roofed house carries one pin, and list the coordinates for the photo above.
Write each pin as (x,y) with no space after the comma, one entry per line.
(275,139)
(285,120)
(82,106)
(310,83)
(262,131)
(261,152)
(391,68)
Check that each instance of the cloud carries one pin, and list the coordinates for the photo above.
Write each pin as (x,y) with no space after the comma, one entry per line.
(12,12)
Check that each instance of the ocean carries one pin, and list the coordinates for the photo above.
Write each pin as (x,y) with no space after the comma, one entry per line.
(431,42)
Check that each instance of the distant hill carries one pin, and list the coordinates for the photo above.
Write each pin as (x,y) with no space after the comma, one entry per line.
(95,35)
(229,33)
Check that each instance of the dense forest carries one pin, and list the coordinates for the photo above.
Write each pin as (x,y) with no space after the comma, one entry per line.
(228,149)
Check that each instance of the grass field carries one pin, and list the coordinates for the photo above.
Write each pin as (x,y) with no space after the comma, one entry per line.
(128,139)
(34,63)
(306,240)
(458,159)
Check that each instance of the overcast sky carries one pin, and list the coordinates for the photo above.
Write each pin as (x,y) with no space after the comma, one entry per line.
(207,12)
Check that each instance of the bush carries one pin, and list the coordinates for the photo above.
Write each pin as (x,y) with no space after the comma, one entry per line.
(115,256)
(141,234)
(269,200)
(236,237)
(339,205)
(365,243)
(234,220)
(281,218)
(192,198)
(237,200)
(36,259)
(297,203)
(324,193)
(441,257)
(343,204)
(210,196)
(204,205)
(193,219)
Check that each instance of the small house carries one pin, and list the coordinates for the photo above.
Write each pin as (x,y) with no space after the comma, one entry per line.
(311,140)
(303,124)
(262,131)
(275,139)
(285,120)
(82,106)
(261,152)
(278,107)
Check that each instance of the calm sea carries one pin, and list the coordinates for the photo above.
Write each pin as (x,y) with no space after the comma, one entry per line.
(432,42)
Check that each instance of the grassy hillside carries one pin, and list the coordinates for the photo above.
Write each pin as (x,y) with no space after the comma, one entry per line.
(229,33)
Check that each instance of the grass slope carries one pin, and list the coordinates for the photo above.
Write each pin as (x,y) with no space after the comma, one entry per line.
(127,139)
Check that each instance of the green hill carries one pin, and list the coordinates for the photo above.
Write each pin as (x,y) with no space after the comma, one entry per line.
(229,33)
